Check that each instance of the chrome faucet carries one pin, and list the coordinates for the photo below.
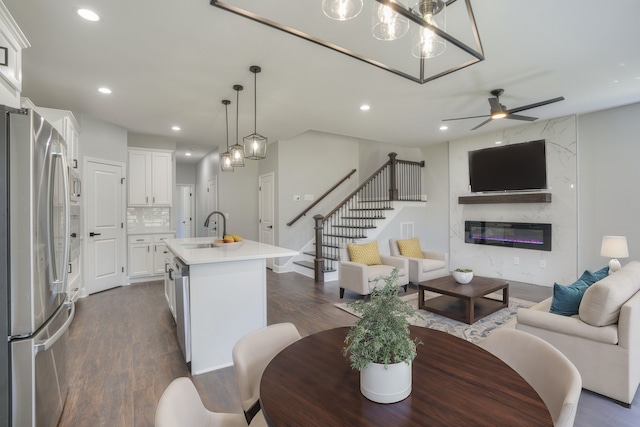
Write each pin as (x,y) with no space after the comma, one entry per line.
(224,222)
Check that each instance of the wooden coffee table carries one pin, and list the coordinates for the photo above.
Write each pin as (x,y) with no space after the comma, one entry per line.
(465,303)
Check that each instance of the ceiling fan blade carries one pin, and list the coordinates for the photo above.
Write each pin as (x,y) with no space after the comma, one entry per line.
(495,104)
(482,124)
(519,117)
(537,104)
(463,118)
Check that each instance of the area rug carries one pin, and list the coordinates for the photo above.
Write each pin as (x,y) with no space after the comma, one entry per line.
(473,333)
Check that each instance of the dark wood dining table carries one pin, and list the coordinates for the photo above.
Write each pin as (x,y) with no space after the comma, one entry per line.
(455,383)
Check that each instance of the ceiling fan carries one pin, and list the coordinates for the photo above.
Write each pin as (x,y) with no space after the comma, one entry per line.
(499,111)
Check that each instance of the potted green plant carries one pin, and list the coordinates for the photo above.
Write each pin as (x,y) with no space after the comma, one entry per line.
(463,275)
(379,345)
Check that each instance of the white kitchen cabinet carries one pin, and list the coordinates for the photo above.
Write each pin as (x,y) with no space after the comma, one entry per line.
(67,126)
(140,257)
(150,178)
(12,41)
(147,254)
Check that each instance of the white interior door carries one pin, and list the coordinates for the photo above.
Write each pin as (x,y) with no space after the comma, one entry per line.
(105,253)
(266,213)
(212,205)
(185,211)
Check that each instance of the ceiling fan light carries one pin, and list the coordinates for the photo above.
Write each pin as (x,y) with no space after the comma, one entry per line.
(498,115)
(387,25)
(342,10)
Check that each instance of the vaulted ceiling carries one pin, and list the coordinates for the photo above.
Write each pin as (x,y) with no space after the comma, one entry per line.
(172,62)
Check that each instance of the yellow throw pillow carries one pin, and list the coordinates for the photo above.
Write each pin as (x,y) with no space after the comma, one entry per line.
(410,248)
(364,254)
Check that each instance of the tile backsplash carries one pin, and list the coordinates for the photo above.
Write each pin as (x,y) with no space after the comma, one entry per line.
(148,219)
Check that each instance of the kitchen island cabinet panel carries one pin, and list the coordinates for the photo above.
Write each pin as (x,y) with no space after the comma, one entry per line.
(228,301)
(227,295)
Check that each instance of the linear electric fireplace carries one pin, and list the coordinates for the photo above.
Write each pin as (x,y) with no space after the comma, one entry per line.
(524,235)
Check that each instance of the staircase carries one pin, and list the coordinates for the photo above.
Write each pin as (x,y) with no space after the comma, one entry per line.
(360,214)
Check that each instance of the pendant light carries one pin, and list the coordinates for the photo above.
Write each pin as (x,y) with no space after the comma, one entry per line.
(341,10)
(387,24)
(225,158)
(236,150)
(426,43)
(255,145)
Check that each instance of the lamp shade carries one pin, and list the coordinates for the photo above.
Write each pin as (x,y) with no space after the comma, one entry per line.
(614,247)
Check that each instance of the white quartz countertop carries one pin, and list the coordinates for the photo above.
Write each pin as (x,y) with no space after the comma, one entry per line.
(195,251)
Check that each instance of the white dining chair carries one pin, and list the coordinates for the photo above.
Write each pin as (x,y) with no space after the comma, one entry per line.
(251,355)
(180,405)
(548,371)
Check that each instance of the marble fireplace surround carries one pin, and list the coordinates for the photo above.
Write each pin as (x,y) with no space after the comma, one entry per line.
(517,264)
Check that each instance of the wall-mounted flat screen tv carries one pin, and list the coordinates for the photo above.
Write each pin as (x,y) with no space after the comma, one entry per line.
(514,167)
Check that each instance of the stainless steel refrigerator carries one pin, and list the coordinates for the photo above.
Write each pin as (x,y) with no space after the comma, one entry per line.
(34,254)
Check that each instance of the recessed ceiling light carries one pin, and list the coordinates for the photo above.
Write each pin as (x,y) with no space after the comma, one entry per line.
(176,128)
(498,142)
(188,154)
(444,127)
(365,107)
(105,90)
(89,15)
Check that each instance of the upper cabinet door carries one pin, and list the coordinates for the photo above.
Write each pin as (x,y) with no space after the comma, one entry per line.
(139,178)
(150,178)
(161,179)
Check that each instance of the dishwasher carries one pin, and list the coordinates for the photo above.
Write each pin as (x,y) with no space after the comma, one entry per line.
(183,322)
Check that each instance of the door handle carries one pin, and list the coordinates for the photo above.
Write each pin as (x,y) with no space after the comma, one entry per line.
(269,226)
(94,234)
(74,235)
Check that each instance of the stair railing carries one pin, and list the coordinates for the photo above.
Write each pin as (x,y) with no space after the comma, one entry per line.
(394,180)
(319,199)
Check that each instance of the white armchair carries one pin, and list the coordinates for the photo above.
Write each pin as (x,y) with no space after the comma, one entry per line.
(361,278)
(431,266)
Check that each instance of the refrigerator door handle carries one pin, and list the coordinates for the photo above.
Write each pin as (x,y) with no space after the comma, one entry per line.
(61,281)
(45,345)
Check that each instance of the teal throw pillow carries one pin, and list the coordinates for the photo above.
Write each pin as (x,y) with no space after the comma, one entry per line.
(600,274)
(566,299)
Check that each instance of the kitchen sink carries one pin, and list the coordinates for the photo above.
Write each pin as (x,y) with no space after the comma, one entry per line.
(200,246)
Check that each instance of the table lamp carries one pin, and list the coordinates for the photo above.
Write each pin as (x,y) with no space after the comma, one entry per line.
(614,247)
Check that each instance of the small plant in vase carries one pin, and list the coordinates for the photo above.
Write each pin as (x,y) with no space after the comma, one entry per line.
(379,344)
(463,275)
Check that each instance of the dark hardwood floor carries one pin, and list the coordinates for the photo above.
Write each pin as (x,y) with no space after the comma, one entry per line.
(124,352)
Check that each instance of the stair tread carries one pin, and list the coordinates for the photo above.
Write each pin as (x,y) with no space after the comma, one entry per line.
(311,265)
(370,209)
(360,227)
(361,236)
(325,255)
(363,217)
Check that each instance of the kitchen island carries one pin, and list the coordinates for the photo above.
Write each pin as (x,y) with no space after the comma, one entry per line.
(227,295)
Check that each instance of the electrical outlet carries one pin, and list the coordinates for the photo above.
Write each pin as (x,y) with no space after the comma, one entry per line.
(516,260)
(543,263)
(308,197)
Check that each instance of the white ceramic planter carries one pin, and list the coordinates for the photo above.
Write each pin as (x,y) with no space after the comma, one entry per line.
(462,277)
(388,385)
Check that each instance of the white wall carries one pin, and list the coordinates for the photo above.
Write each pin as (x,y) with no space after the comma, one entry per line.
(311,164)
(102,140)
(186,173)
(237,195)
(609,175)
(561,263)
(435,184)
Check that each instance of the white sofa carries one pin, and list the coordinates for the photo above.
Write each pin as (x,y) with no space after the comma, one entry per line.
(433,265)
(603,339)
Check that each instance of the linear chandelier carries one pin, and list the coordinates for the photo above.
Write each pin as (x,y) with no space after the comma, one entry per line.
(420,40)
